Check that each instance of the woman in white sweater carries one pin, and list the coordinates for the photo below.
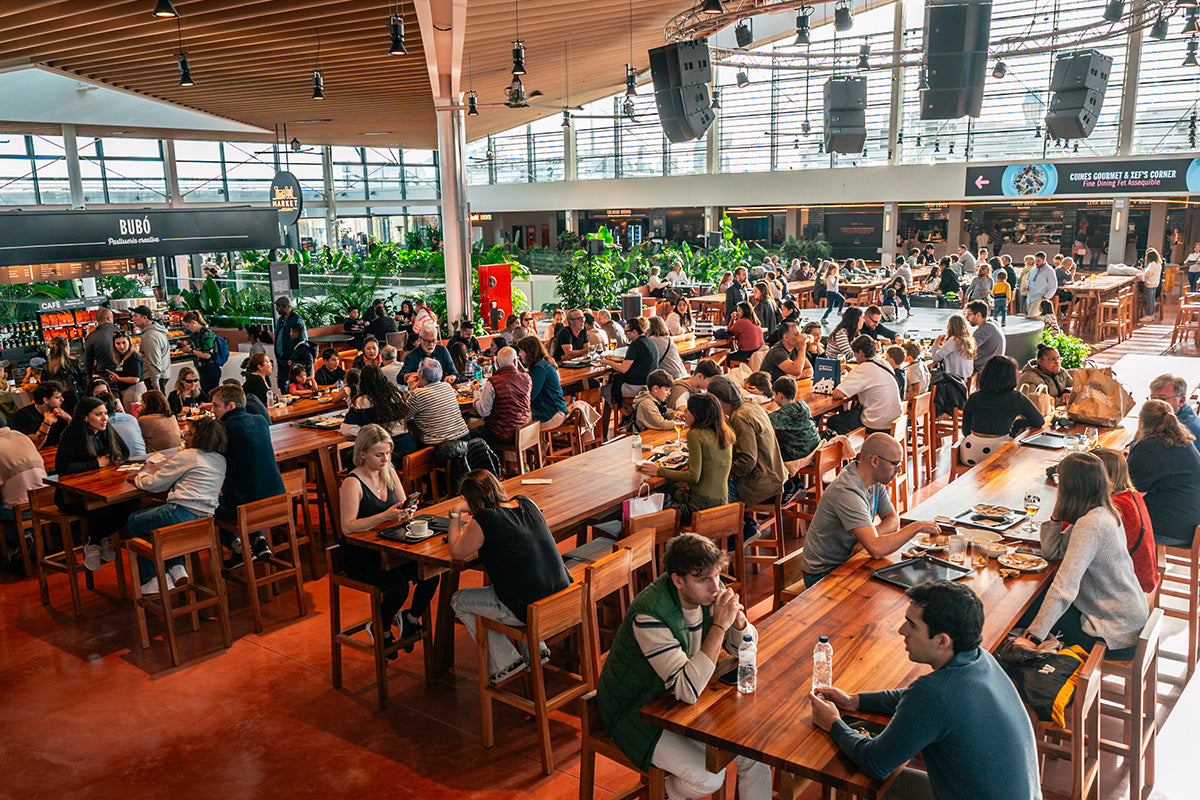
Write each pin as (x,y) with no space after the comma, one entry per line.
(194,477)
(1095,595)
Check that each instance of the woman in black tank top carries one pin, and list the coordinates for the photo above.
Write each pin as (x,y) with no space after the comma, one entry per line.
(372,496)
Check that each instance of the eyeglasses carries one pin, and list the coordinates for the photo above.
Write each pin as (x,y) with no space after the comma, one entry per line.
(895,464)
(428,341)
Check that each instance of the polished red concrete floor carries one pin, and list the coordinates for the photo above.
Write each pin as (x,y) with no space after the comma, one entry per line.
(87,713)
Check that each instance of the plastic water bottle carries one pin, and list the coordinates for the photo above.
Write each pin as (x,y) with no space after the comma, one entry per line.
(822,674)
(478,371)
(636,449)
(747,665)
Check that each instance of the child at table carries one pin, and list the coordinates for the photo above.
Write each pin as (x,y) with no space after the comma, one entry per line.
(917,373)
(330,373)
(299,383)
(758,384)
(1001,291)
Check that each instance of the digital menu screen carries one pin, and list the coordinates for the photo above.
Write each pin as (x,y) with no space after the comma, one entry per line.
(70,270)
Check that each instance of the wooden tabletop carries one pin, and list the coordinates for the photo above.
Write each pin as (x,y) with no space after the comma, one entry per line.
(304,408)
(1100,284)
(861,615)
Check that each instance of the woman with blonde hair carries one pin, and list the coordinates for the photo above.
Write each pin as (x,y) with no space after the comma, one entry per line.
(956,348)
(160,429)
(1139,532)
(1164,466)
(187,393)
(371,497)
(668,354)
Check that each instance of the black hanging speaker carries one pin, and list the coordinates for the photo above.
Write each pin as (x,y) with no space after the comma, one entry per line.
(681,73)
(845,114)
(1078,81)
(956,57)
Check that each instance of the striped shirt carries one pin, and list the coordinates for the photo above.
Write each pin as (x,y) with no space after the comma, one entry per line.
(683,674)
(434,411)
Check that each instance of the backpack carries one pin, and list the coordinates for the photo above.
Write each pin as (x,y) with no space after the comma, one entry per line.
(220,353)
(468,455)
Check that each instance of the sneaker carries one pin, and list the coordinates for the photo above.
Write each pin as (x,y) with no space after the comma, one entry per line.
(388,640)
(107,553)
(150,587)
(177,575)
(260,550)
(500,677)
(235,554)
(409,627)
(91,557)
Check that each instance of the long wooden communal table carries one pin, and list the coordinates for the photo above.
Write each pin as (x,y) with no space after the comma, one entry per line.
(110,485)
(304,408)
(687,344)
(582,487)
(1099,288)
(861,615)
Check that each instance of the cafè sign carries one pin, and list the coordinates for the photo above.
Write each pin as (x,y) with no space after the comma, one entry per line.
(286,197)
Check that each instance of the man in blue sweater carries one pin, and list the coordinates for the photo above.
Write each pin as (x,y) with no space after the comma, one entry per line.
(965,718)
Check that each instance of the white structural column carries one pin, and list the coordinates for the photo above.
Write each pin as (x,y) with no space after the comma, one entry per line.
(443,25)
(331,237)
(75,182)
(891,219)
(1129,89)
(171,174)
(1117,230)
(712,143)
(570,165)
(896,102)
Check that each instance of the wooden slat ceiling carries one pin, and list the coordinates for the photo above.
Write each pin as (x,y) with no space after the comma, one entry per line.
(252,60)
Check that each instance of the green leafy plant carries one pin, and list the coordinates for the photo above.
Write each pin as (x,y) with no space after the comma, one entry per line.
(568,241)
(119,287)
(1073,352)
(207,300)
(15,300)
(812,250)
(591,281)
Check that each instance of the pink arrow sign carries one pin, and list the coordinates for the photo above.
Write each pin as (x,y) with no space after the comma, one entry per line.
(980,182)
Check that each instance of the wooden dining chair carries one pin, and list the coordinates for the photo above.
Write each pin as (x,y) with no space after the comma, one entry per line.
(22,526)
(787,579)
(769,518)
(1079,742)
(525,449)
(596,741)
(723,525)
(561,613)
(1179,571)
(922,441)
(608,577)
(269,515)
(1187,320)
(826,464)
(1135,703)
(419,474)
(347,634)
(295,486)
(187,539)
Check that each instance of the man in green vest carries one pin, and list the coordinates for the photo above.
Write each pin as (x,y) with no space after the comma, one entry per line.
(669,643)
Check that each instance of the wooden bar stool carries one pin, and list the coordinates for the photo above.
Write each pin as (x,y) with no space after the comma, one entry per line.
(560,613)
(343,635)
(1135,703)
(295,485)
(611,575)
(596,741)
(45,514)
(266,515)
(922,443)
(1079,742)
(183,539)
(769,518)
(1187,320)
(1179,568)
(24,530)
(827,462)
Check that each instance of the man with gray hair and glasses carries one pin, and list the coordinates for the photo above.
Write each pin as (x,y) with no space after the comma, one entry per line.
(1172,390)
(429,345)
(572,341)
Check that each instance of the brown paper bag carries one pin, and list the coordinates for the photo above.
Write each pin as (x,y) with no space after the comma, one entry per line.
(1097,398)
(1040,399)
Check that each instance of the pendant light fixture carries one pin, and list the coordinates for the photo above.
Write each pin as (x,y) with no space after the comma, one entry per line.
(803,36)
(843,19)
(294,144)
(472,104)
(743,80)
(1190,59)
(185,69)
(518,53)
(630,72)
(318,81)
(1192,24)
(164,10)
(396,30)
(1159,29)
(716,100)
(1114,10)
(743,33)
(863,52)
(712,7)
(1000,70)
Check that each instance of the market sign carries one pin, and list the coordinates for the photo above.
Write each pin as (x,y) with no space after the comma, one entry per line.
(57,237)
(286,197)
(1129,176)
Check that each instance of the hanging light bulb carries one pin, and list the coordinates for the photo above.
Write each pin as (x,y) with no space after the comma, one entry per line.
(1000,70)
(630,81)
(318,86)
(1114,10)
(743,80)
(185,71)
(566,120)
(843,20)
(712,7)
(396,28)
(518,54)
(1075,149)
(922,78)
(294,144)
(803,36)
(627,108)
(863,52)
(163,9)
(1190,59)
(805,127)
(1037,131)
(1159,30)
(473,104)
(937,146)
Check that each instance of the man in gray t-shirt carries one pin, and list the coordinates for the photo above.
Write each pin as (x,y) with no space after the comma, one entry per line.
(845,517)
(989,339)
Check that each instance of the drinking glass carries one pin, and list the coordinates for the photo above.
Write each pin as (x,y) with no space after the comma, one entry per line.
(1093,437)
(957,549)
(1032,503)
(678,422)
